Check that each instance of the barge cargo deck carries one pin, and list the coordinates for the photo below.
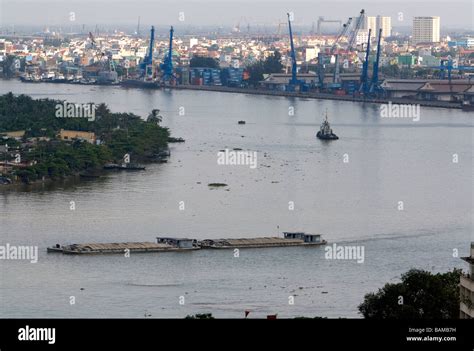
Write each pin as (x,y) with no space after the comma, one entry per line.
(115,248)
(164,244)
(247,243)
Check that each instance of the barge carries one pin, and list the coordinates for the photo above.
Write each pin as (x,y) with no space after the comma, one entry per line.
(116,248)
(166,244)
(289,239)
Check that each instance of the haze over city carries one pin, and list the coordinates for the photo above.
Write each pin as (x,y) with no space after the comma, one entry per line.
(458,14)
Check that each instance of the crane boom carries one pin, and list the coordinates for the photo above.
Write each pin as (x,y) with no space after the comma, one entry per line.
(365,69)
(343,32)
(354,32)
(292,53)
(148,60)
(167,65)
(375,73)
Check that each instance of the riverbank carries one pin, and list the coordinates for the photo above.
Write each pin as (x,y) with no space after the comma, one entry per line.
(47,147)
(303,95)
(320,96)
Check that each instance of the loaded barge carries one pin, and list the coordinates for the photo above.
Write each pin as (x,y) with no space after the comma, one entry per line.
(290,239)
(120,248)
(166,244)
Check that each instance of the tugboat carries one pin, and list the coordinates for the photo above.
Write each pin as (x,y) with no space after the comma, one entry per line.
(325,132)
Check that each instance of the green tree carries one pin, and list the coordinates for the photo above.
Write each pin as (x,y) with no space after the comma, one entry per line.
(154,117)
(272,64)
(203,62)
(420,295)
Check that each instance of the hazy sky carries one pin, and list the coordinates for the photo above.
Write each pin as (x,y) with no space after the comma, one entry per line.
(455,14)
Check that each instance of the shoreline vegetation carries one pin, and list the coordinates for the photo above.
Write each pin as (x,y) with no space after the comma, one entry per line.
(36,146)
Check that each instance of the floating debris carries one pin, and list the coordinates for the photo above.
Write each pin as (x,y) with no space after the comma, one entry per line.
(175,140)
(216,185)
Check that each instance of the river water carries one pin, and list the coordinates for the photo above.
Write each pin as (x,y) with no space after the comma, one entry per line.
(390,160)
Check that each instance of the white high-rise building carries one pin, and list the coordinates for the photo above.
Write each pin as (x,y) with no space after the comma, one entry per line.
(426,29)
(370,23)
(375,23)
(384,23)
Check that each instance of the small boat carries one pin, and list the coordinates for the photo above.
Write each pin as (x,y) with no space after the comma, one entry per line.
(468,107)
(175,140)
(111,166)
(241,122)
(124,166)
(325,132)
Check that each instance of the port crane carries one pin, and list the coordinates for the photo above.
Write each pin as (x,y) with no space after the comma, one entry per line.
(148,60)
(294,82)
(372,88)
(167,65)
(336,83)
(107,64)
(336,77)
(364,78)
(447,66)
(355,30)
(375,84)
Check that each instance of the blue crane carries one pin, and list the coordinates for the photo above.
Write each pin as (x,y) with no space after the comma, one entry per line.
(167,65)
(446,65)
(293,80)
(148,60)
(364,77)
(375,85)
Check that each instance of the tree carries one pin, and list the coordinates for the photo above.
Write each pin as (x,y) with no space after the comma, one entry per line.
(392,71)
(420,295)
(204,62)
(154,117)
(256,72)
(272,64)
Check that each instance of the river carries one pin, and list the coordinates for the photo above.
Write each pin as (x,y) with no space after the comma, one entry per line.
(349,190)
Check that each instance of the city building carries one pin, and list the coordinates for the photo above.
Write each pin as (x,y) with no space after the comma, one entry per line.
(374,23)
(70,135)
(370,23)
(426,30)
(384,23)
(466,289)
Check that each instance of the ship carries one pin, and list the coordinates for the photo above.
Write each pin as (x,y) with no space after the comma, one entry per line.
(325,131)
